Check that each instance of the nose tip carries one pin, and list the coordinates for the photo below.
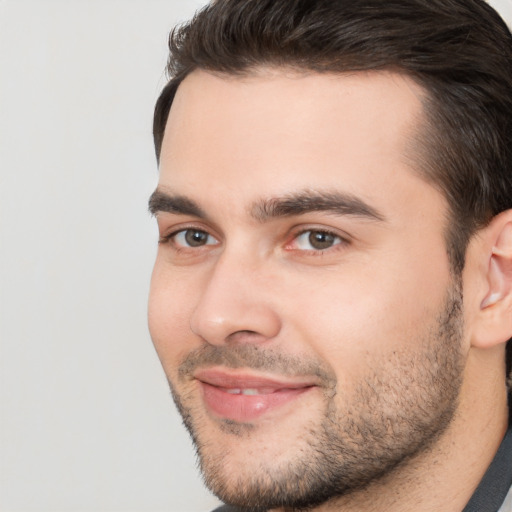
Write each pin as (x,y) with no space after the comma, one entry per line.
(237,321)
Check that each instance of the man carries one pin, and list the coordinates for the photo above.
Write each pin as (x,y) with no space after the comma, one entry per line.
(332,296)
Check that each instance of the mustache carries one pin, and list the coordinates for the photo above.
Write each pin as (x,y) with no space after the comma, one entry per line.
(255,358)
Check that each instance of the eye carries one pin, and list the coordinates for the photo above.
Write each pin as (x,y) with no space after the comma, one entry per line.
(316,240)
(193,238)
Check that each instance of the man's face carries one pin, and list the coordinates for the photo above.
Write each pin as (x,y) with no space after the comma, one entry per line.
(301,303)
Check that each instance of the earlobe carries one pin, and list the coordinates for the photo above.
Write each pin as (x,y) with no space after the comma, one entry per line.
(495,316)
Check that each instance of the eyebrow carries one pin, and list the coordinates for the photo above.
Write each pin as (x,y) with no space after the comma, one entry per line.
(338,203)
(160,201)
(300,203)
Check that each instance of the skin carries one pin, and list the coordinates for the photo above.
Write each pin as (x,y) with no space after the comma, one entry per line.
(366,311)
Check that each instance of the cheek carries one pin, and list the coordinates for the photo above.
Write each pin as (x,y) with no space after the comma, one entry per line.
(358,313)
(169,309)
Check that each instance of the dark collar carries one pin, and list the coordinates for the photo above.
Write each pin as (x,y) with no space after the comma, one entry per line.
(494,487)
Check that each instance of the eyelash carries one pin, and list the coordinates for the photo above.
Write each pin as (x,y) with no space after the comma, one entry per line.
(340,242)
(170,238)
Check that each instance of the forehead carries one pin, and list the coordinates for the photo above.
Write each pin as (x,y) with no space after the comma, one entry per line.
(274,130)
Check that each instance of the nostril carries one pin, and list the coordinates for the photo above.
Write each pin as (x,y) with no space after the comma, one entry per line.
(245,336)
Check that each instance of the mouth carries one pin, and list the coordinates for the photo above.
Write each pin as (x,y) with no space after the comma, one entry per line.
(244,397)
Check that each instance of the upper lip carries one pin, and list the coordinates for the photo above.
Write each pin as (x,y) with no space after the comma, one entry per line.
(237,380)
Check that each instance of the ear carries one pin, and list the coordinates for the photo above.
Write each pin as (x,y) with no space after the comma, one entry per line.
(493,322)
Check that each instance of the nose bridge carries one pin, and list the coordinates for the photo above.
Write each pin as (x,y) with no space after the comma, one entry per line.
(236,299)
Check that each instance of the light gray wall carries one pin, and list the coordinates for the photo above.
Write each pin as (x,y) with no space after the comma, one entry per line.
(86,420)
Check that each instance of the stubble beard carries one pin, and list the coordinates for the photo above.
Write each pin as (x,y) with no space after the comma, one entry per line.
(395,414)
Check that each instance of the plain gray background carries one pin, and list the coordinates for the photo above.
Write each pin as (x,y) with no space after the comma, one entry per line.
(86,418)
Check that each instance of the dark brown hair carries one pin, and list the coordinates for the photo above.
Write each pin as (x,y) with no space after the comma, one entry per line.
(460,51)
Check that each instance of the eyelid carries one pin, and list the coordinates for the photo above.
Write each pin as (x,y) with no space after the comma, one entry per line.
(171,232)
(344,239)
(181,241)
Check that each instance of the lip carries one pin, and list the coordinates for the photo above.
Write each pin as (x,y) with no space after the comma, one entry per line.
(244,397)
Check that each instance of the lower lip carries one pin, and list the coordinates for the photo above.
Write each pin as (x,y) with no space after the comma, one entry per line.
(246,408)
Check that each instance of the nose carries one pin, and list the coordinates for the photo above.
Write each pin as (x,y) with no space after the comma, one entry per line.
(236,304)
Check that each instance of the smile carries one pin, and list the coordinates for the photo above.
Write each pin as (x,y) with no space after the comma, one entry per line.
(249,392)
(245,398)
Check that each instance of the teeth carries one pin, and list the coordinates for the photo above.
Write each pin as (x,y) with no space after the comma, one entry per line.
(250,392)
(237,391)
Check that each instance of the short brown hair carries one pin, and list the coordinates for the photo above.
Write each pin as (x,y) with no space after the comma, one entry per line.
(460,51)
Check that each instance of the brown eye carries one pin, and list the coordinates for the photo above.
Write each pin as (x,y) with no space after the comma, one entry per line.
(316,240)
(196,238)
(193,238)
(321,240)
